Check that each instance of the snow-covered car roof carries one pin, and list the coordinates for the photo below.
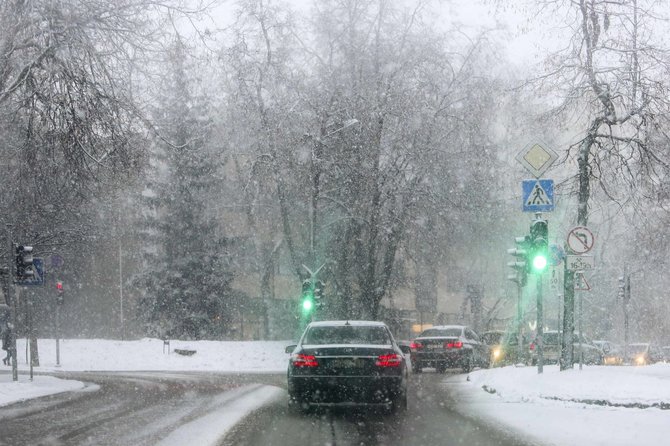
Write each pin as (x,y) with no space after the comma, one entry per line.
(444,327)
(342,323)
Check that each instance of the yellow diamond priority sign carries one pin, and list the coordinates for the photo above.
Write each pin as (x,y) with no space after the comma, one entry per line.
(537,158)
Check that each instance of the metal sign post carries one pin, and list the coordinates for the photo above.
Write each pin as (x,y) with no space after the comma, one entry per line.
(581,347)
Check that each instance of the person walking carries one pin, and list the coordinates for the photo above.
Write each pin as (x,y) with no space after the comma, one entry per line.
(5,333)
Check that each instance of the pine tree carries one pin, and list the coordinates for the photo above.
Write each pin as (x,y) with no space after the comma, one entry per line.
(186,279)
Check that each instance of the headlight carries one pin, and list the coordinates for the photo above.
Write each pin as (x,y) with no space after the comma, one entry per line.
(496,353)
(640,360)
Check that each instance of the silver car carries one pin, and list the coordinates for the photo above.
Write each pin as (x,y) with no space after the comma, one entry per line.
(552,349)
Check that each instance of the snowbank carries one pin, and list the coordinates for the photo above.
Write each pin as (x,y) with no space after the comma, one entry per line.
(23,389)
(151,355)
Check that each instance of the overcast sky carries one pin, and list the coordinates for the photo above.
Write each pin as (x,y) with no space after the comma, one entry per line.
(525,40)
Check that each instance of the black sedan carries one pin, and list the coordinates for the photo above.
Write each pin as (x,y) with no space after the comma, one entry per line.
(449,346)
(343,363)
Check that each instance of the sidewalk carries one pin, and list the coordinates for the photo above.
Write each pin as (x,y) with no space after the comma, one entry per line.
(24,389)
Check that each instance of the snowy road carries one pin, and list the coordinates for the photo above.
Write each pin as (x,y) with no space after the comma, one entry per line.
(429,420)
(136,408)
(175,408)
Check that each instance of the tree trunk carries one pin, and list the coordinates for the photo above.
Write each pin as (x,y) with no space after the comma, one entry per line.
(567,355)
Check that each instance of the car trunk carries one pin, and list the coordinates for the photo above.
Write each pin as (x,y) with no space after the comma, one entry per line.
(346,360)
(431,344)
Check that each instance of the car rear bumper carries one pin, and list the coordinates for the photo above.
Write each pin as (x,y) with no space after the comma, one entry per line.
(434,359)
(612,360)
(340,390)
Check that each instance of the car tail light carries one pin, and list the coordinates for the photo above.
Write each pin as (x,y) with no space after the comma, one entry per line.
(390,360)
(416,346)
(532,346)
(300,360)
(453,344)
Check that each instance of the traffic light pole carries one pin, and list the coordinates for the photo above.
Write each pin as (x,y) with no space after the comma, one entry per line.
(581,347)
(539,255)
(540,326)
(12,302)
(57,335)
(519,322)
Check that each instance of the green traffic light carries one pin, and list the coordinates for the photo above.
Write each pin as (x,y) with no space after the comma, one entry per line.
(539,262)
(307,304)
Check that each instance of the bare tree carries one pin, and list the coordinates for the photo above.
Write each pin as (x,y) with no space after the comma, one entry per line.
(612,79)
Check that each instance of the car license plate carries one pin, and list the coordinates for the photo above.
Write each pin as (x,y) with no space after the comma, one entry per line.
(347,363)
(435,347)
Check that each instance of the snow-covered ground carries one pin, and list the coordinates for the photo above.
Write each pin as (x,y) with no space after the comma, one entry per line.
(598,405)
(150,354)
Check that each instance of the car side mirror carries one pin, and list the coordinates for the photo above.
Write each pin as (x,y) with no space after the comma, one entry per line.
(405,348)
(290,348)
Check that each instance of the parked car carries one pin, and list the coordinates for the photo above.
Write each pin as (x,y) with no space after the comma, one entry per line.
(666,353)
(612,353)
(448,346)
(347,363)
(503,346)
(552,349)
(643,353)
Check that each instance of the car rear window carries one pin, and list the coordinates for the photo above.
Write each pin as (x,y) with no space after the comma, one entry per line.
(437,332)
(347,334)
(550,338)
(492,338)
(637,348)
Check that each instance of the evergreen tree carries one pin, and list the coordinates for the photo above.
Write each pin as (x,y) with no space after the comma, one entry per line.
(186,278)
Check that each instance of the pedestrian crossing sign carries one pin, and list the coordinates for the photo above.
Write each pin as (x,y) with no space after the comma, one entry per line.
(538,195)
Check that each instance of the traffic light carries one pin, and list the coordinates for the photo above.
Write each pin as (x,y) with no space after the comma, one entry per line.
(318,293)
(307,296)
(24,263)
(521,264)
(59,292)
(539,252)
(624,288)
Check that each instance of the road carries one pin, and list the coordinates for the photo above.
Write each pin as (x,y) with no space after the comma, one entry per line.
(430,420)
(128,409)
(143,408)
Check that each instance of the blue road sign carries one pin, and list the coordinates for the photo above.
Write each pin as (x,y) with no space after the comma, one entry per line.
(38,278)
(538,195)
(556,254)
